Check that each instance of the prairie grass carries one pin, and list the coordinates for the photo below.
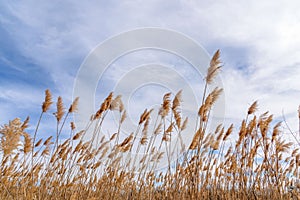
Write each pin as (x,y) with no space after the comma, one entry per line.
(257,163)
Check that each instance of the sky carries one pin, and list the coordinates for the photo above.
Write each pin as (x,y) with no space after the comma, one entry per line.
(44,44)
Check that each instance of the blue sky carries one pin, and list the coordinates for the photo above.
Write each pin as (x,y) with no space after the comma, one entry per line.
(44,43)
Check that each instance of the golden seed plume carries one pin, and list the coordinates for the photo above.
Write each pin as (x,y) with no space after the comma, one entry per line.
(46,151)
(113,136)
(104,106)
(195,140)
(177,100)
(215,94)
(144,138)
(78,135)
(27,143)
(213,68)
(145,116)
(60,109)
(10,136)
(116,102)
(74,105)
(170,128)
(253,108)
(48,141)
(38,143)
(158,129)
(164,110)
(228,132)
(220,135)
(48,101)
(275,131)
(25,124)
(126,140)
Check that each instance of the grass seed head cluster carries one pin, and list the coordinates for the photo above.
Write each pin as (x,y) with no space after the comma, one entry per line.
(257,163)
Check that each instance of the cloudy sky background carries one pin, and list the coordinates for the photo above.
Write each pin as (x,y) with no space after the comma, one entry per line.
(43,45)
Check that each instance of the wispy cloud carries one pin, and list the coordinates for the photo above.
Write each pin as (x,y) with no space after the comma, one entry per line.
(258,40)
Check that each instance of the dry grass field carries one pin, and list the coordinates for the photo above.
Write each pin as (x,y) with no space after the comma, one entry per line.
(257,164)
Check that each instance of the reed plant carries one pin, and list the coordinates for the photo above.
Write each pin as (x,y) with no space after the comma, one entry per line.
(247,161)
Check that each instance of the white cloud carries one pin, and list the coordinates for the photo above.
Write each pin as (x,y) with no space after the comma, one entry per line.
(58,37)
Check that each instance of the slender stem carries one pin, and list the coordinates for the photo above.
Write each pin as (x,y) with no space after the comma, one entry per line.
(33,143)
